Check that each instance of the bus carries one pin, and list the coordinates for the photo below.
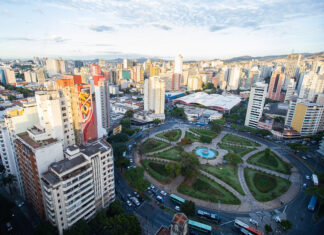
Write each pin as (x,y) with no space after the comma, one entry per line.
(312,203)
(239,224)
(176,199)
(200,227)
(208,215)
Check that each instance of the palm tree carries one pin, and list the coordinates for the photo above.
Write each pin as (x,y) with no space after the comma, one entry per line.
(8,181)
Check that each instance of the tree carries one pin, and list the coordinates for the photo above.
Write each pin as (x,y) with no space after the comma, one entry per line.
(208,85)
(157,121)
(129,113)
(123,225)
(188,207)
(120,137)
(185,141)
(190,166)
(122,163)
(79,228)
(268,228)
(267,152)
(115,208)
(318,192)
(173,168)
(205,139)
(12,97)
(286,225)
(220,122)
(119,149)
(8,181)
(298,147)
(99,221)
(233,158)
(45,228)
(179,113)
(125,122)
(216,128)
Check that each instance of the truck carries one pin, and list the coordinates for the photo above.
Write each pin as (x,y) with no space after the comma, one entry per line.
(312,203)
(315,179)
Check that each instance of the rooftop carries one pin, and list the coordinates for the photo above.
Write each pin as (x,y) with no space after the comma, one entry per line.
(35,144)
(51,178)
(67,164)
(180,219)
(94,147)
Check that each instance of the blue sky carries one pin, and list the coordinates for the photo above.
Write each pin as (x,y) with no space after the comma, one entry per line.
(132,28)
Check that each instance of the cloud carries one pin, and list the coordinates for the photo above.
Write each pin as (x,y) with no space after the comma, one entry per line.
(19,39)
(215,28)
(101,28)
(56,39)
(161,26)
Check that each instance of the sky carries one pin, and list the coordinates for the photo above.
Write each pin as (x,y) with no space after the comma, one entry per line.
(205,29)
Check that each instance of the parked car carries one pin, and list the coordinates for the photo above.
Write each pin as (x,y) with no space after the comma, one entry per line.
(177,208)
(163,193)
(9,226)
(307,177)
(129,196)
(135,201)
(129,203)
(136,194)
(304,157)
(252,221)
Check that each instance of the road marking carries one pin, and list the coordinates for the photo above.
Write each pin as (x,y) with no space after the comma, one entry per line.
(227,222)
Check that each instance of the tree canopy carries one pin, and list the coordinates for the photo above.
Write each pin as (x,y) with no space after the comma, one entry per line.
(188,207)
(123,225)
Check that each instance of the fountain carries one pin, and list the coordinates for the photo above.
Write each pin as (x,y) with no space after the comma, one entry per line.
(205,152)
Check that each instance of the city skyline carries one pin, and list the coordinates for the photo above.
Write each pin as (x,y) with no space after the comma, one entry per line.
(205,30)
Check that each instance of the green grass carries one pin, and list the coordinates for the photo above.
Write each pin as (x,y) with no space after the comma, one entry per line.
(156,170)
(171,135)
(135,178)
(192,137)
(152,145)
(226,173)
(206,132)
(265,187)
(240,151)
(170,154)
(235,139)
(272,162)
(208,190)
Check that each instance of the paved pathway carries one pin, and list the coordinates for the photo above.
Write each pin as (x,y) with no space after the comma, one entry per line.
(248,202)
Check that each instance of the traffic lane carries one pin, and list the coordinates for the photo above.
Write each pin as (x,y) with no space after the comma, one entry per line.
(20,224)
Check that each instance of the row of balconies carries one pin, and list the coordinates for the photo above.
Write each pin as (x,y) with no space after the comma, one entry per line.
(78,198)
(86,208)
(73,210)
(67,191)
(70,196)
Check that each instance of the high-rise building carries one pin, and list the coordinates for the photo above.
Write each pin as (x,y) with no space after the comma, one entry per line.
(16,119)
(55,115)
(178,62)
(35,152)
(194,83)
(291,65)
(138,74)
(289,86)
(79,185)
(41,78)
(52,67)
(2,76)
(10,76)
(257,98)
(28,76)
(101,90)
(85,74)
(233,77)
(102,63)
(276,82)
(154,95)
(291,110)
(95,70)
(308,118)
(309,85)
(176,81)
(78,64)
(61,66)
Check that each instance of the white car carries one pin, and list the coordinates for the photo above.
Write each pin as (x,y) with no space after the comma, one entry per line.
(177,208)
(252,221)
(307,177)
(163,193)
(304,157)
(129,203)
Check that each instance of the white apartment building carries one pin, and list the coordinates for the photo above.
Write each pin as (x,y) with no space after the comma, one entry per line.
(52,67)
(154,95)
(113,89)
(194,83)
(178,62)
(10,76)
(257,98)
(289,86)
(15,120)
(101,90)
(55,115)
(233,78)
(81,184)
(309,85)
(291,110)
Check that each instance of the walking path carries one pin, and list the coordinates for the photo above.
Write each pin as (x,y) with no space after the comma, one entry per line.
(248,202)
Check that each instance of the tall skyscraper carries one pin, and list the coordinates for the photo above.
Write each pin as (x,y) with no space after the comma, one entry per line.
(154,95)
(178,62)
(233,77)
(256,103)
(10,76)
(194,83)
(309,85)
(176,81)
(2,76)
(276,82)
(52,67)
(101,90)
(36,151)
(41,77)
(95,70)
(291,65)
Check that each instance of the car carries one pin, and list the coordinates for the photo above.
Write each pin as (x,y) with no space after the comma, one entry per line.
(163,193)
(129,203)
(129,196)
(177,208)
(21,204)
(277,219)
(131,160)
(307,177)
(9,226)
(304,157)
(136,194)
(152,186)
(135,201)
(252,221)
(304,185)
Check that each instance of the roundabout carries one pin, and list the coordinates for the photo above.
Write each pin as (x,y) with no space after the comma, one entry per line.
(232,173)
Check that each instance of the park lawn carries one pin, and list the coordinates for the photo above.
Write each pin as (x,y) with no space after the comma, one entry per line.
(235,139)
(192,137)
(206,189)
(272,162)
(205,132)
(152,145)
(227,173)
(170,154)
(265,187)
(156,170)
(135,178)
(240,151)
(171,135)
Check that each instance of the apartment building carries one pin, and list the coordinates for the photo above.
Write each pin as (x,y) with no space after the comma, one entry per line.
(81,184)
(154,95)
(257,98)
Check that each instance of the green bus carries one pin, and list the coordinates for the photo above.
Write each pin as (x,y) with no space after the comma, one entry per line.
(200,227)
(176,199)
